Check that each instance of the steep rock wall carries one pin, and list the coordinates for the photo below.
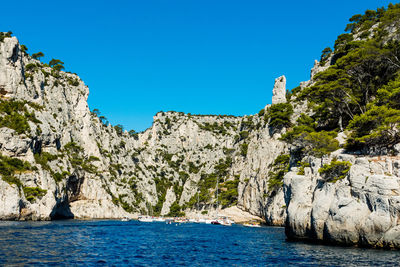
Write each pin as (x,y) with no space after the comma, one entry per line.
(90,170)
(361,209)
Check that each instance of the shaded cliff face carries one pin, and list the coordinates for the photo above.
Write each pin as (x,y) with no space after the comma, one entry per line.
(81,168)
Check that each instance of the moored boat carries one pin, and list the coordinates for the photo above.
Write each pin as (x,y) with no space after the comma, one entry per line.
(222,220)
(145,219)
(159,219)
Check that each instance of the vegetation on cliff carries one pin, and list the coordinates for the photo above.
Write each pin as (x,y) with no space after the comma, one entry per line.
(359,91)
(334,171)
(357,95)
(10,167)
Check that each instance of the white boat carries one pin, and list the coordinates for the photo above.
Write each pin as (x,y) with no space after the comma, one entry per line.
(230,221)
(145,219)
(159,219)
(125,219)
(225,223)
(207,221)
(251,225)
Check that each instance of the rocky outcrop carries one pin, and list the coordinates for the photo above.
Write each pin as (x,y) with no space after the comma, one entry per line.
(279,91)
(318,68)
(58,103)
(362,209)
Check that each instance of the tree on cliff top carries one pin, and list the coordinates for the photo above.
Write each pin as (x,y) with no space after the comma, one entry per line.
(38,55)
(56,64)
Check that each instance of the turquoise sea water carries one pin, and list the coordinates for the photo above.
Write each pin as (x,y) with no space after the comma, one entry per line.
(107,243)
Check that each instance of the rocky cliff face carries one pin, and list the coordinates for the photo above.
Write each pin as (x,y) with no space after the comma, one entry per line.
(362,209)
(82,168)
(58,160)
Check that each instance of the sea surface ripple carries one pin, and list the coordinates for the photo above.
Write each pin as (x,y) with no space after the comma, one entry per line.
(133,243)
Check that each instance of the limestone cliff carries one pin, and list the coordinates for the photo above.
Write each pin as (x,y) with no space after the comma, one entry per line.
(362,209)
(83,168)
(286,163)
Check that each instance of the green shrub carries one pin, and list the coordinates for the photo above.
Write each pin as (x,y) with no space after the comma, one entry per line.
(12,180)
(15,121)
(175,210)
(73,81)
(305,137)
(88,167)
(73,147)
(13,118)
(43,159)
(162,185)
(37,55)
(304,124)
(335,171)
(4,35)
(31,193)
(208,182)
(243,135)
(279,168)
(58,177)
(279,115)
(193,168)
(217,128)
(222,167)
(302,166)
(93,158)
(326,53)
(319,144)
(342,40)
(119,129)
(178,190)
(243,149)
(376,128)
(57,65)
(125,205)
(228,192)
(31,67)
(228,151)
(134,134)
(24,49)
(10,166)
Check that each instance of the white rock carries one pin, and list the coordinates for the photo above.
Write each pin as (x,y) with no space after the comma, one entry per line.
(279,91)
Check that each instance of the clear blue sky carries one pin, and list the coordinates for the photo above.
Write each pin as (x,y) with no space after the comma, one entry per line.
(199,57)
